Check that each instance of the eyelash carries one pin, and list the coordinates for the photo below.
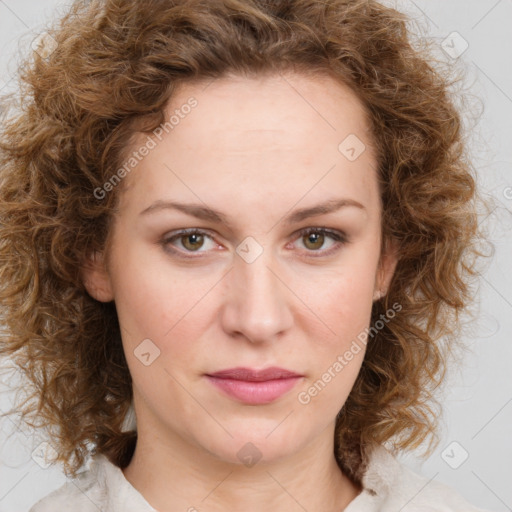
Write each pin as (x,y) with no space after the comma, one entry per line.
(338,236)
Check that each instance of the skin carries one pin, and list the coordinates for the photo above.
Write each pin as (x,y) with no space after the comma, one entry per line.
(256,149)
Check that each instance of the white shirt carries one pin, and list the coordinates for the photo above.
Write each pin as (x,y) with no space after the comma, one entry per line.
(388,486)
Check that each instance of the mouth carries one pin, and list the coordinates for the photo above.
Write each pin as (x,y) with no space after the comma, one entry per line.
(254,387)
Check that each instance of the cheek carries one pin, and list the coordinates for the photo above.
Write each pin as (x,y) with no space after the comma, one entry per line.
(162,304)
(338,347)
(342,300)
(150,295)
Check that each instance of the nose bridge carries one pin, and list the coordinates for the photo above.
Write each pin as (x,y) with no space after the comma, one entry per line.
(257,305)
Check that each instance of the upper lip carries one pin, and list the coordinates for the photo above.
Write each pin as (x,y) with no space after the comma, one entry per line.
(248,374)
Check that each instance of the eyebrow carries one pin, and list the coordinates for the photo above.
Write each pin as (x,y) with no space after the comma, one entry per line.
(209,214)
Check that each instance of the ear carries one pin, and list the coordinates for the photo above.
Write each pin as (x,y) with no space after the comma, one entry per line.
(96,278)
(386,268)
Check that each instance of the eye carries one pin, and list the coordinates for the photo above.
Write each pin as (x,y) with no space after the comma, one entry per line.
(314,238)
(193,240)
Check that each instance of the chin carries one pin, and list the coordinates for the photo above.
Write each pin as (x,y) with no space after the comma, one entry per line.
(253,444)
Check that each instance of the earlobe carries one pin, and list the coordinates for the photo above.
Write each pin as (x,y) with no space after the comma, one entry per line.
(96,278)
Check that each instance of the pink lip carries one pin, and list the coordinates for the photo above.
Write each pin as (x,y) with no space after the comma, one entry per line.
(252,386)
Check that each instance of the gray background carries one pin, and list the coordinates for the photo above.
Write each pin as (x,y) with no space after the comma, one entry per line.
(475,452)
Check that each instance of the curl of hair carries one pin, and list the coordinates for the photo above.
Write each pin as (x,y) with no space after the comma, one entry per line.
(114,70)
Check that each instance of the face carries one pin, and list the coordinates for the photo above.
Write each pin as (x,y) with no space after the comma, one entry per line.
(278,268)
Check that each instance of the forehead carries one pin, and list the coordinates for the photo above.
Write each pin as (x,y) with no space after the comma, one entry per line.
(268,135)
(258,109)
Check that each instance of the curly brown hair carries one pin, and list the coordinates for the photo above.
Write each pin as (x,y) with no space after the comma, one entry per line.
(114,69)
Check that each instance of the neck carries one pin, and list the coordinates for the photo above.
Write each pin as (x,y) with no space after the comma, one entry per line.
(174,475)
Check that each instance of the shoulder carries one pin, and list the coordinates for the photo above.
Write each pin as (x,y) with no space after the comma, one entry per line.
(389,486)
(102,486)
(84,493)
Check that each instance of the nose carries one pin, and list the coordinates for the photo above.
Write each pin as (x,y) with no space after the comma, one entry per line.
(257,302)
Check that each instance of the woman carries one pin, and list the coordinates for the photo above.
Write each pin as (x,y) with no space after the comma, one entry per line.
(249,223)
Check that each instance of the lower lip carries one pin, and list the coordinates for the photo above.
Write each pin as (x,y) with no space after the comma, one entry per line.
(254,393)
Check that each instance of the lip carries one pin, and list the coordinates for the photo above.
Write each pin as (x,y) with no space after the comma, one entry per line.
(254,387)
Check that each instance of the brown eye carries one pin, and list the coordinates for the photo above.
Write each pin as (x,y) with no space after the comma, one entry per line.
(188,241)
(192,241)
(314,240)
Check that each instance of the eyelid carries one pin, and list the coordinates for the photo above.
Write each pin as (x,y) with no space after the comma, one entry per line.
(339,236)
(176,235)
